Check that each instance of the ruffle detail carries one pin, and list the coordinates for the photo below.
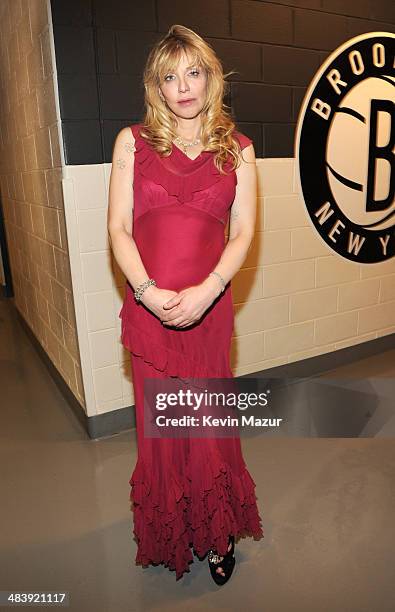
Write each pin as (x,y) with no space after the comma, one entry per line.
(182,186)
(159,523)
(170,361)
(196,511)
(222,503)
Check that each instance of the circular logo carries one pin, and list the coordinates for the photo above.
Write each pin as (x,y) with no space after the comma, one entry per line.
(345,149)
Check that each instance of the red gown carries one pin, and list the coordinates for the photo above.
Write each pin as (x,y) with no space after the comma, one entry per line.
(185,492)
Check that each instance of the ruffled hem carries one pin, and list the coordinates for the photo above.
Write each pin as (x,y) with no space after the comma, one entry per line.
(182,186)
(159,523)
(223,503)
(170,361)
(189,514)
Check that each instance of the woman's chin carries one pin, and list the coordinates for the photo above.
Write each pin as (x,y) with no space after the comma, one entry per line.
(187,112)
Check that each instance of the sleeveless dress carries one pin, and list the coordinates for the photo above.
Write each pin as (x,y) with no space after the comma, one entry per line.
(184,492)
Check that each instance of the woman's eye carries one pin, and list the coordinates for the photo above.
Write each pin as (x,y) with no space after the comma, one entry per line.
(169,77)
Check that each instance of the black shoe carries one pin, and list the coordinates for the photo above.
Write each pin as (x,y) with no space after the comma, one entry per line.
(226,563)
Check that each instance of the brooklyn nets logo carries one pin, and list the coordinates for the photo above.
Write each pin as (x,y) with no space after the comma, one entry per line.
(345,149)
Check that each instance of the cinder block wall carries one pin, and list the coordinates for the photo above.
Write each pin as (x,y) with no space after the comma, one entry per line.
(294,297)
(31,185)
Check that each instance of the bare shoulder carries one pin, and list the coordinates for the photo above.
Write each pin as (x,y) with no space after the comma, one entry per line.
(120,208)
(123,149)
(125,138)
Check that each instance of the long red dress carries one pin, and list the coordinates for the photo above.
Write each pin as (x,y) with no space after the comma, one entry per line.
(185,492)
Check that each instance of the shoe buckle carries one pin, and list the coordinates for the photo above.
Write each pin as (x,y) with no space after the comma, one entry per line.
(213,557)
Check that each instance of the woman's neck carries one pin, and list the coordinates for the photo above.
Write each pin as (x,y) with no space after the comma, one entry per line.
(189,130)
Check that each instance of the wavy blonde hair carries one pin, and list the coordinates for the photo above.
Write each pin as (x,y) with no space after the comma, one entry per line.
(158,126)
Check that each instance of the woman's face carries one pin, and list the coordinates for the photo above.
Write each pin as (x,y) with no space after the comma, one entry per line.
(184,90)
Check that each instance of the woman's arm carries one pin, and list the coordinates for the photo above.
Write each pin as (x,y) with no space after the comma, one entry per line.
(242,220)
(120,223)
(120,209)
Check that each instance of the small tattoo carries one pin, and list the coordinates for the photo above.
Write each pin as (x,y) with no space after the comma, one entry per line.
(234,213)
(129,147)
(121,163)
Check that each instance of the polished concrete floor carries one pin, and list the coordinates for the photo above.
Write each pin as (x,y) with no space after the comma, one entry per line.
(328,508)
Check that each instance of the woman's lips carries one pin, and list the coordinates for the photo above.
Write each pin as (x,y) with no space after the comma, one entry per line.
(186,101)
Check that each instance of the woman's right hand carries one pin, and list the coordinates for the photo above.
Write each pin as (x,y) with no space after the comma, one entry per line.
(154,298)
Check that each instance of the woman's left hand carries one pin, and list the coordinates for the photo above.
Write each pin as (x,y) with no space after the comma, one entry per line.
(188,306)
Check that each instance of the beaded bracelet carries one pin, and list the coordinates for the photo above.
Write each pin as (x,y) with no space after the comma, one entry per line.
(221,279)
(141,288)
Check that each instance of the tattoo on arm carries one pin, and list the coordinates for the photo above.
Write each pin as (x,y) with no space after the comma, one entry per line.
(234,213)
(129,147)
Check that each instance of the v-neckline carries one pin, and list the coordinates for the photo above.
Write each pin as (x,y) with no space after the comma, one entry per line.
(186,156)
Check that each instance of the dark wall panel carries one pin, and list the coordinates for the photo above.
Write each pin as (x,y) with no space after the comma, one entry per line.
(261,22)
(208,17)
(274,48)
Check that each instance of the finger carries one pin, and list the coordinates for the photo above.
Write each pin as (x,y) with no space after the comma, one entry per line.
(186,324)
(173,315)
(174,322)
(172,302)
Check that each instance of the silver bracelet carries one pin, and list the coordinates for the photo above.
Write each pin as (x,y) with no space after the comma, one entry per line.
(221,279)
(141,288)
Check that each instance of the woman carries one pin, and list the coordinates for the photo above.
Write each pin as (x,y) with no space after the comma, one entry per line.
(190,170)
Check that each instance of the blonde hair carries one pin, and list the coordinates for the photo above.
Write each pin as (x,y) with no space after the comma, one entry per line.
(158,126)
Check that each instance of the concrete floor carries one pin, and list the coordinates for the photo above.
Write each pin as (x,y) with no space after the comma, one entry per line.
(327,507)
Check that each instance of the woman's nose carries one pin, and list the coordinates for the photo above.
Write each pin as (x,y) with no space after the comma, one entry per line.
(183,86)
